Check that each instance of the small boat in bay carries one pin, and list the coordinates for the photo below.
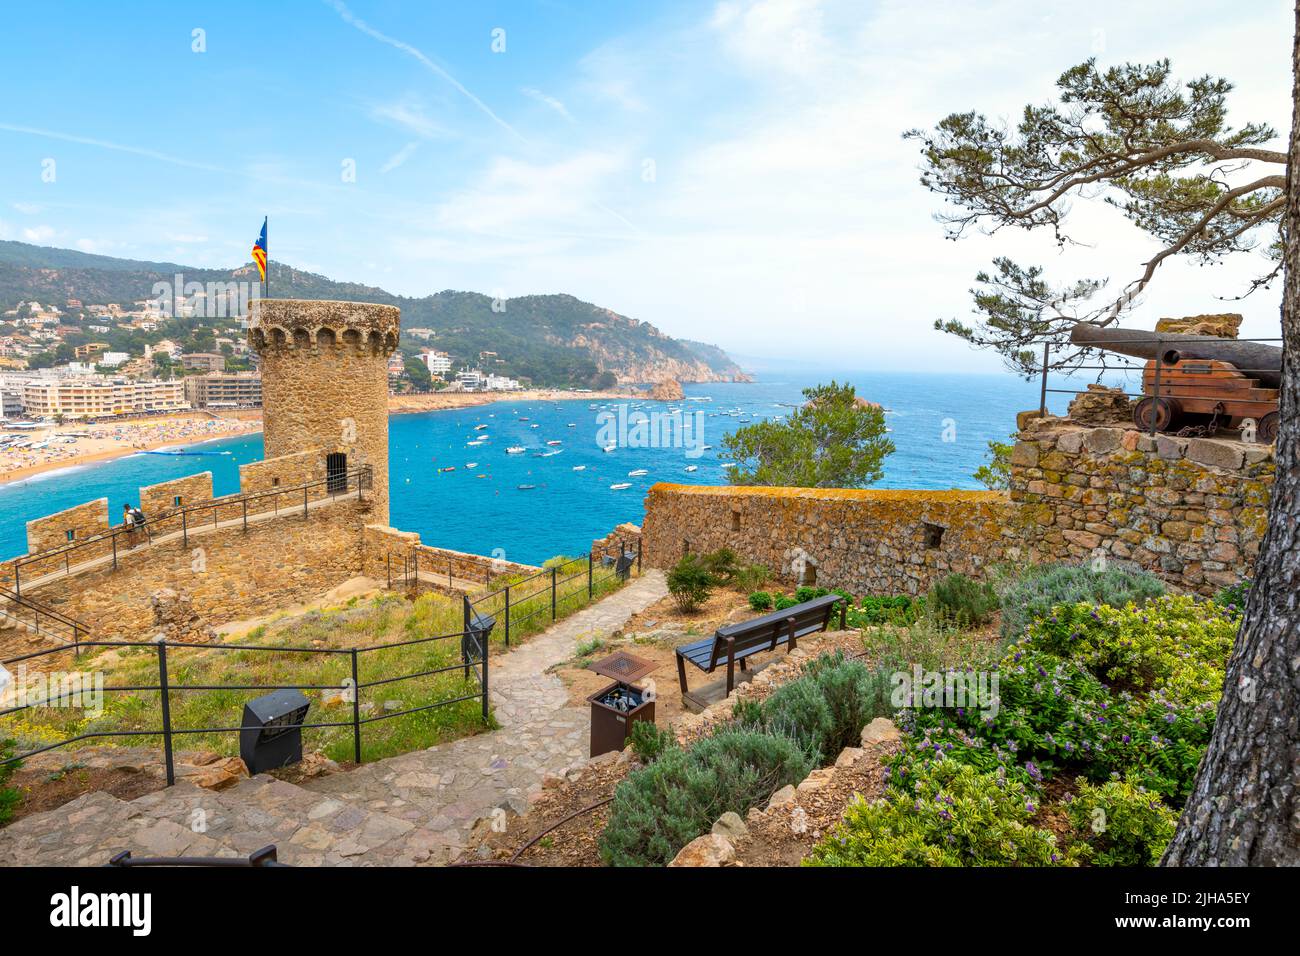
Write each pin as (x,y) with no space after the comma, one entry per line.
(637,473)
(516,450)
(620,486)
(526,487)
(579,467)
(469,465)
(692,467)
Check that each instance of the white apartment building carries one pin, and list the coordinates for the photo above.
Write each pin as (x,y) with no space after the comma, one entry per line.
(99,396)
(438,363)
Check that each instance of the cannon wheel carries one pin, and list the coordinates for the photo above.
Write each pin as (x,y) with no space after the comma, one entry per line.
(1266,431)
(1166,411)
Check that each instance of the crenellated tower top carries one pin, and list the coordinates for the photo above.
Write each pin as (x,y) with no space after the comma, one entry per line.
(298,325)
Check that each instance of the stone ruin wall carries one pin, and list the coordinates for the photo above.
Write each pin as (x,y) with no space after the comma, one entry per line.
(1192,510)
(867,541)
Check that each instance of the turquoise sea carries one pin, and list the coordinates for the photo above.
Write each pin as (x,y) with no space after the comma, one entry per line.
(940,423)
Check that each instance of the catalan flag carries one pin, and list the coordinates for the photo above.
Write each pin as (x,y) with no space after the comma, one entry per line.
(259,252)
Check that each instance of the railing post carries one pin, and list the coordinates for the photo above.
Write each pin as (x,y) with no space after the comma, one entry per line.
(1155,390)
(245,514)
(464,633)
(304,502)
(1042,395)
(114,540)
(185,530)
(638,557)
(507,615)
(356,710)
(483,648)
(390,570)
(591,592)
(553,570)
(18,585)
(165,696)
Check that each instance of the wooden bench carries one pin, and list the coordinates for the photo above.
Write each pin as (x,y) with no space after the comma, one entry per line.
(733,643)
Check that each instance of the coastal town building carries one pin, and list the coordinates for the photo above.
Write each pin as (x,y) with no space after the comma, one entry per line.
(204,361)
(224,390)
(438,363)
(98,396)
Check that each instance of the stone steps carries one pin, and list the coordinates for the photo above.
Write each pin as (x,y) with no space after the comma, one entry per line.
(308,829)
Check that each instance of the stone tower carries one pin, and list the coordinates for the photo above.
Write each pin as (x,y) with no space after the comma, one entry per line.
(325,383)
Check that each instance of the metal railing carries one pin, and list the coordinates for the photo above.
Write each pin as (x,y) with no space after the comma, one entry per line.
(613,562)
(42,619)
(191,517)
(1159,367)
(474,661)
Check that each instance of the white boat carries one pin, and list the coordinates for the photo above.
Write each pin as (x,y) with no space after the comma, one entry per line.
(637,473)
(515,450)
(727,464)
(554,442)
(470,464)
(479,428)
(553,452)
(620,486)
(610,447)
(534,426)
(692,467)
(579,467)
(573,424)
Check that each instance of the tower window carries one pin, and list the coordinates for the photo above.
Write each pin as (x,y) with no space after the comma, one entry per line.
(735,521)
(70,534)
(176,501)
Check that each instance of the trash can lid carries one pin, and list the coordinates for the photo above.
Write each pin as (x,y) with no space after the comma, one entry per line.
(623,666)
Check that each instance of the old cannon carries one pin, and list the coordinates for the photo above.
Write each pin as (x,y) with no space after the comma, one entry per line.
(1197,379)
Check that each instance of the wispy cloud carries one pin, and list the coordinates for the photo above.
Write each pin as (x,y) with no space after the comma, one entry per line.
(118,147)
(547,100)
(410,117)
(28,208)
(399,157)
(347,16)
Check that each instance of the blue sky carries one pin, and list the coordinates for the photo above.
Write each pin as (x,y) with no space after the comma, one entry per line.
(731,171)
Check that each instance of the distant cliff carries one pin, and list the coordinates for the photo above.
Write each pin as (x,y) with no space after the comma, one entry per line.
(546,340)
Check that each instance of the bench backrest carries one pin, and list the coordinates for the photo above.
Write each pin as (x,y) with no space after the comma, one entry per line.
(771,629)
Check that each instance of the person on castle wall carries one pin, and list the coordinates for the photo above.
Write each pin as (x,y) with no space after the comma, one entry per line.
(134,521)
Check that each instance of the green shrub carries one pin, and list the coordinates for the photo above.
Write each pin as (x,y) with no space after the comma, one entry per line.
(722,565)
(825,709)
(1034,592)
(660,808)
(961,600)
(783,602)
(1121,824)
(1176,645)
(1234,598)
(934,644)
(760,601)
(1100,690)
(808,593)
(751,577)
(949,814)
(883,609)
(9,797)
(649,741)
(690,583)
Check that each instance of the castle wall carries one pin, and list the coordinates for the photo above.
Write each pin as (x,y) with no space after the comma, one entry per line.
(1193,510)
(161,497)
(867,541)
(51,531)
(381,542)
(285,471)
(325,380)
(228,574)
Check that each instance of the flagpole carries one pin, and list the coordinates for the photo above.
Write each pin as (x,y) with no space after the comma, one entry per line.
(266,283)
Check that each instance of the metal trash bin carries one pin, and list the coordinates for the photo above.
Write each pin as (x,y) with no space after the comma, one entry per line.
(272,730)
(614,709)
(613,712)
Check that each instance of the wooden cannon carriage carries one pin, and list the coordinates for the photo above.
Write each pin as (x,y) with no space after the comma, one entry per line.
(1196,379)
(1196,391)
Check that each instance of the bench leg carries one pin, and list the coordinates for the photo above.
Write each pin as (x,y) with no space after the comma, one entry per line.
(681,672)
(743,668)
(731,674)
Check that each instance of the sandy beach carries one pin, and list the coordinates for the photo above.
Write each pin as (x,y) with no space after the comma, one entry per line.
(82,444)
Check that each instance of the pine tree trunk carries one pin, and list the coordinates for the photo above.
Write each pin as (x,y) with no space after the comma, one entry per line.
(1245,805)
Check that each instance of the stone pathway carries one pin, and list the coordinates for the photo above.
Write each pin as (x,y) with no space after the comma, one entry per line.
(417,808)
(450,787)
